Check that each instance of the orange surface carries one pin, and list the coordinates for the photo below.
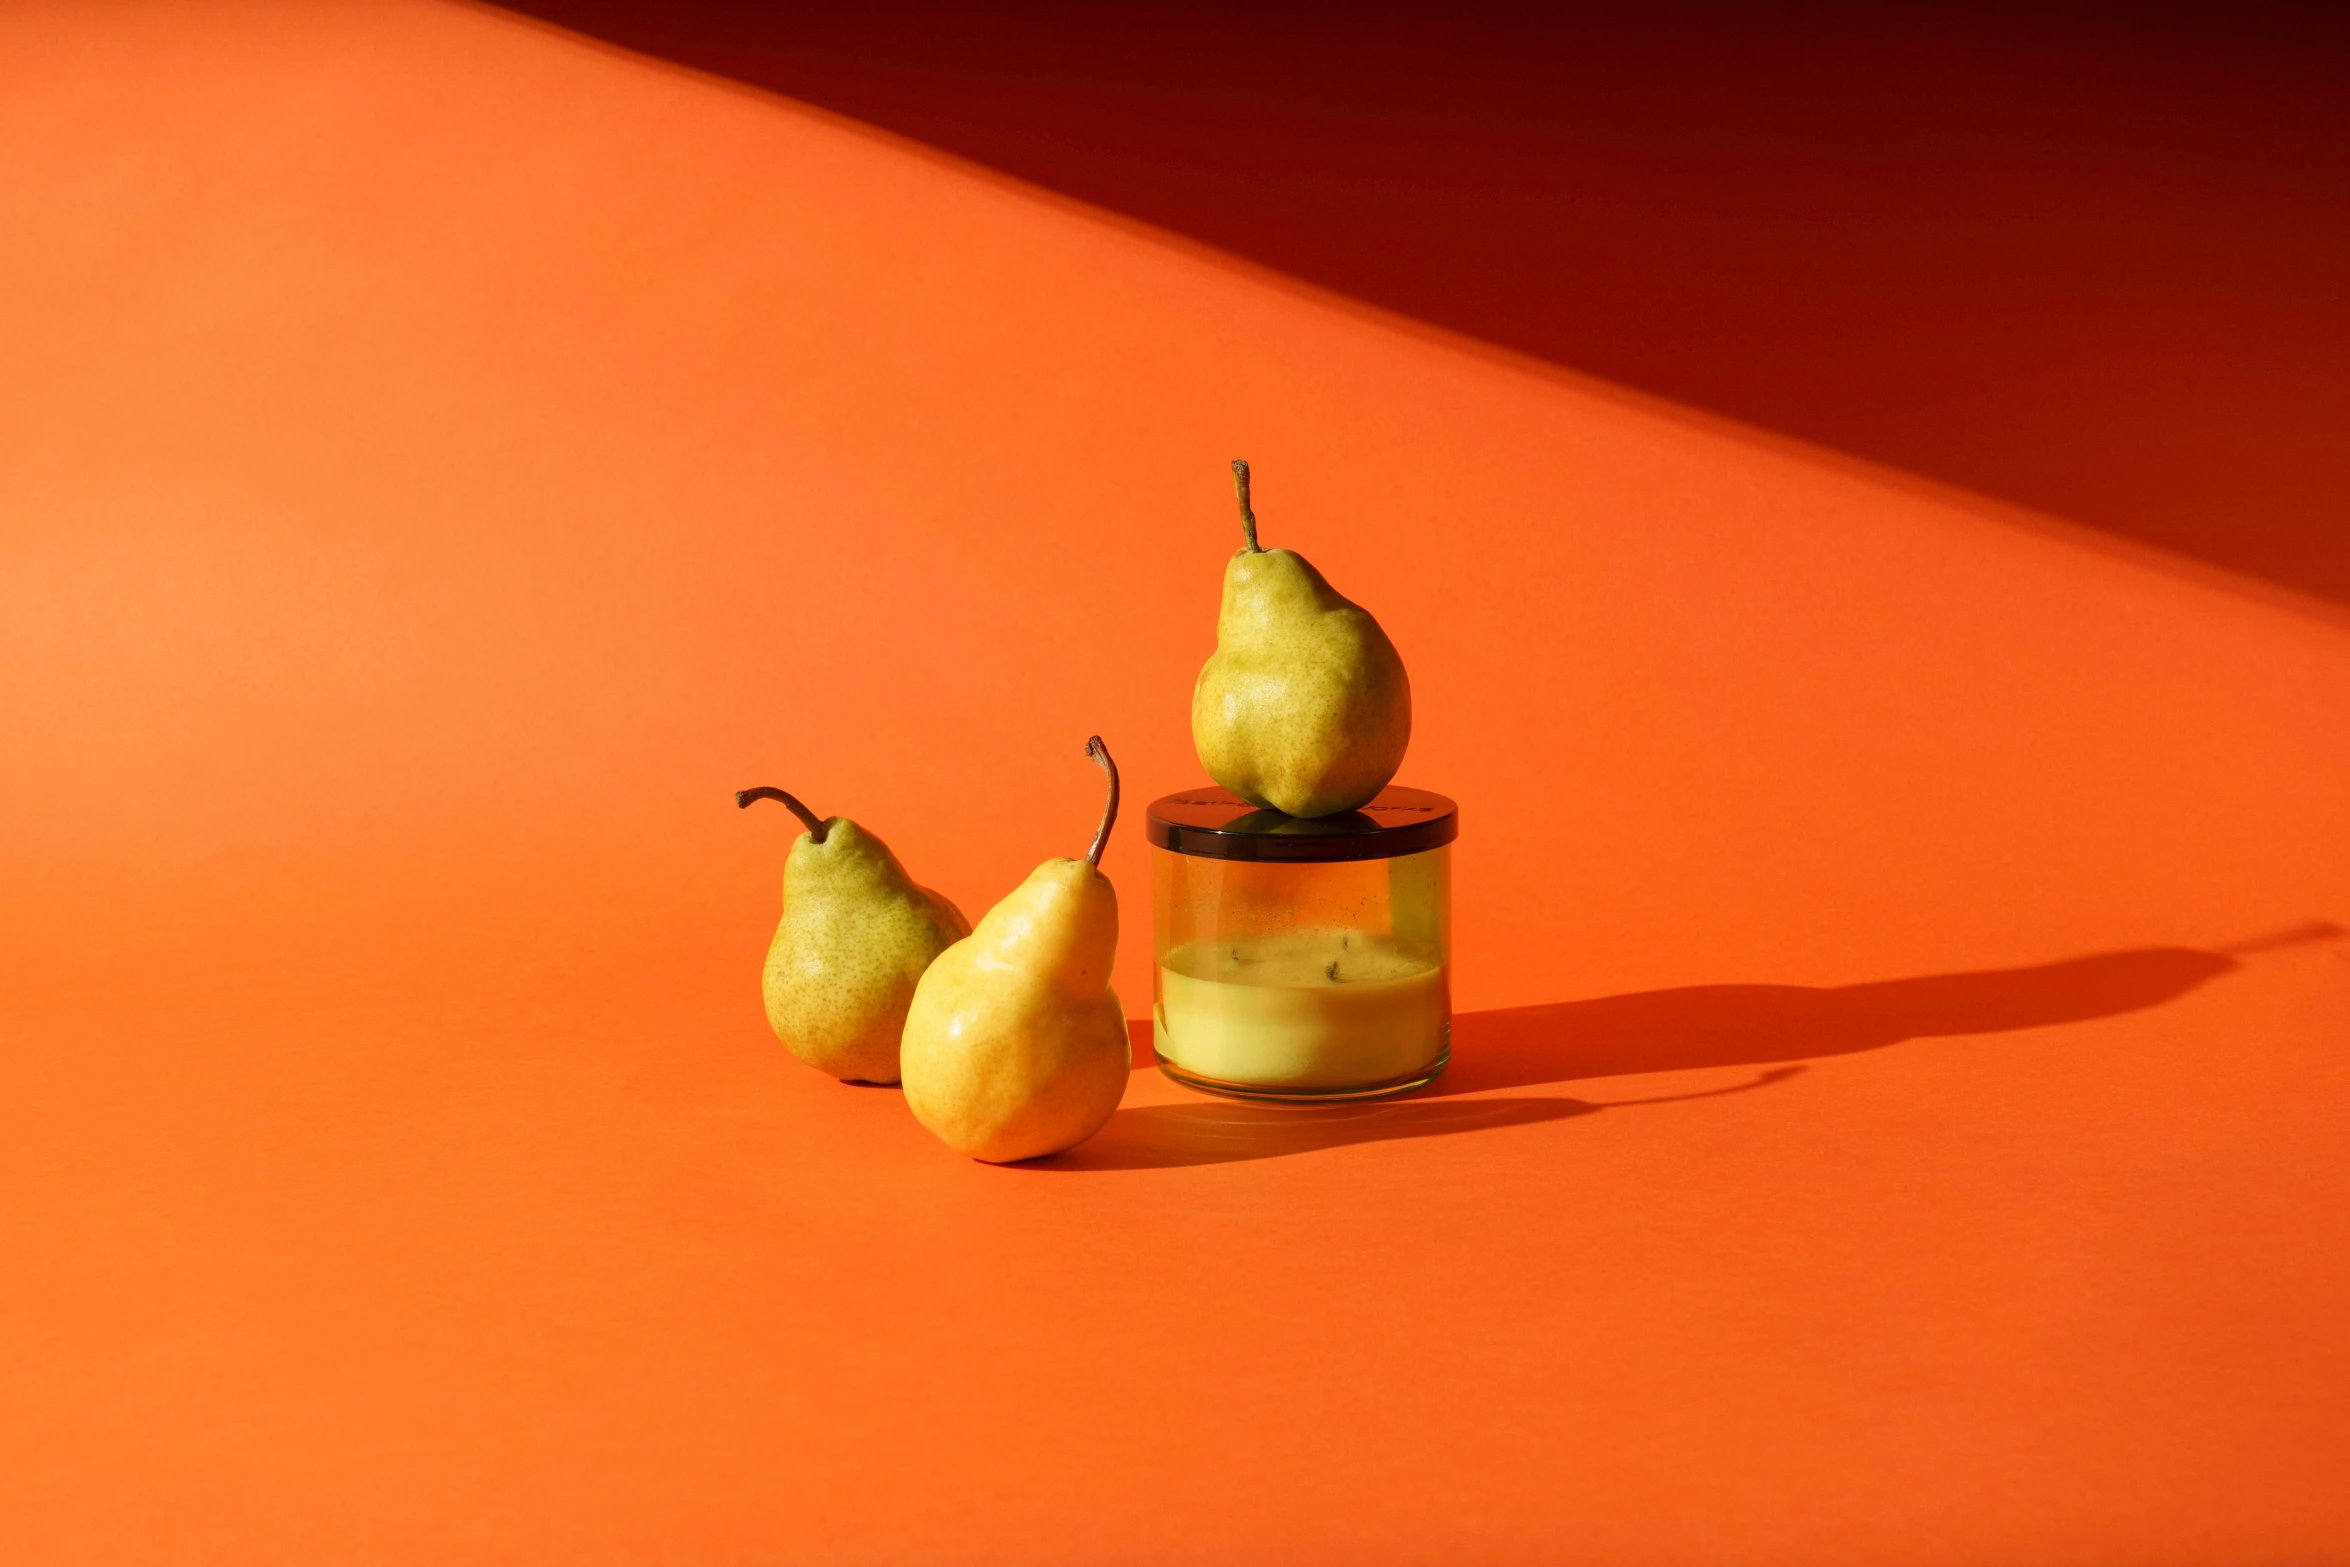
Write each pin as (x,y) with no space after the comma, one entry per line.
(440,460)
(2087,259)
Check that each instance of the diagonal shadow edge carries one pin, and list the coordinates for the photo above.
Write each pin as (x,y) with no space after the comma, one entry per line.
(770,55)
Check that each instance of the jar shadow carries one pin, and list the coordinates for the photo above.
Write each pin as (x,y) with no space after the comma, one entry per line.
(1691,1028)
(1711,1026)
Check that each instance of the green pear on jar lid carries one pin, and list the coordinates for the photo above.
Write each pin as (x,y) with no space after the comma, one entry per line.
(1304,707)
(1016,1045)
(855,936)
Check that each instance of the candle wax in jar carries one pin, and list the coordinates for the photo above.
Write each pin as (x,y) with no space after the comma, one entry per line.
(1308,1009)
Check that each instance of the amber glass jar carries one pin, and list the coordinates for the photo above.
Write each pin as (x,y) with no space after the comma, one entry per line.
(1302,960)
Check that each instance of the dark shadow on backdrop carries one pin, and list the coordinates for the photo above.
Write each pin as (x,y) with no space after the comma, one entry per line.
(1664,1031)
(2088,259)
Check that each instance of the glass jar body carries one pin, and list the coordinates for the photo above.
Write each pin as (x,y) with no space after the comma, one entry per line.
(1313,981)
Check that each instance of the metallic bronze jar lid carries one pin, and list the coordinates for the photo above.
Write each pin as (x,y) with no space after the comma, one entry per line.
(1215,824)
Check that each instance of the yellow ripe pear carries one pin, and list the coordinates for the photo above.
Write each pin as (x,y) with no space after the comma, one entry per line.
(1016,1046)
(1304,706)
(856,934)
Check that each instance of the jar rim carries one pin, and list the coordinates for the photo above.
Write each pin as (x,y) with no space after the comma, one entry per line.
(1216,824)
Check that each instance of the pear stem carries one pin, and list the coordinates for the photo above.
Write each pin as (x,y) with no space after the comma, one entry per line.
(1248,518)
(1101,840)
(815,824)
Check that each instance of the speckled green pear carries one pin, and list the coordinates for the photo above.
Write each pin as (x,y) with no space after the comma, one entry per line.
(1304,706)
(855,936)
(1016,1045)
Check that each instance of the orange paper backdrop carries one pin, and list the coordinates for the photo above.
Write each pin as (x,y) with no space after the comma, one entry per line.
(1899,1089)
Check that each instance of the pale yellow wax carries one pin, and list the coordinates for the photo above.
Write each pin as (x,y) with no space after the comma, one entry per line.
(1311,1009)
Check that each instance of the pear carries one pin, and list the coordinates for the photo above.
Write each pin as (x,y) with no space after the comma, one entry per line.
(1016,1045)
(856,934)
(1304,707)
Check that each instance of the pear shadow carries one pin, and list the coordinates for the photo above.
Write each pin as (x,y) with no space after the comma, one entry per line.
(1166,1137)
(1752,1025)
(1688,1029)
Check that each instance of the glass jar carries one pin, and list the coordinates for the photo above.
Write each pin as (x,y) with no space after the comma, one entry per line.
(1302,960)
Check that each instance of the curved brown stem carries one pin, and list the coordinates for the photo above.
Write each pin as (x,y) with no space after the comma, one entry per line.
(1101,840)
(814,823)
(1248,518)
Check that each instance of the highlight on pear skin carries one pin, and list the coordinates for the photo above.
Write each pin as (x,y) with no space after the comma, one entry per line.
(1304,707)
